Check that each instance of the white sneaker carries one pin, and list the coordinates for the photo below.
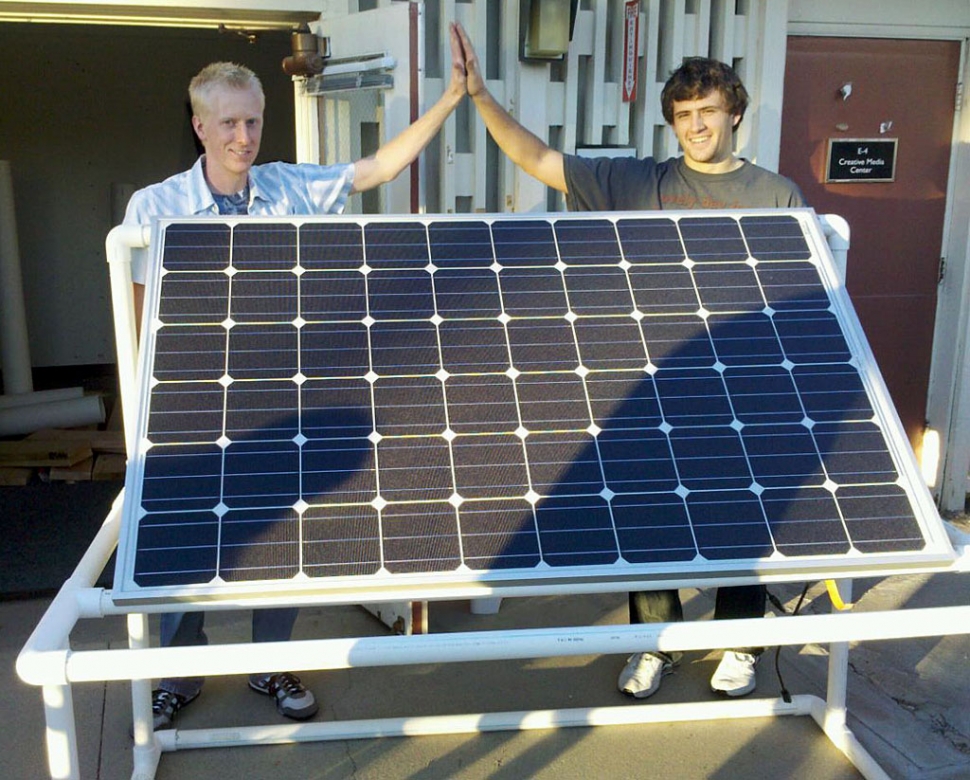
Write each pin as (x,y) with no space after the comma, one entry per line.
(640,677)
(735,674)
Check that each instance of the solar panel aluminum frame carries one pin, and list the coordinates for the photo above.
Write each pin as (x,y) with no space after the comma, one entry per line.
(540,578)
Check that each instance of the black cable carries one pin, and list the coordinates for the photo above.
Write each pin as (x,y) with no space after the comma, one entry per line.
(785,695)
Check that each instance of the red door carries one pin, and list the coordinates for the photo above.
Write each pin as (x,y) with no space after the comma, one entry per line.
(877,90)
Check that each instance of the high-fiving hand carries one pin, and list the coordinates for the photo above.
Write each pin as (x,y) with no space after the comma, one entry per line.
(468,60)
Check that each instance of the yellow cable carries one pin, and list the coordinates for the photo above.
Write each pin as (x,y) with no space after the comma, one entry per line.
(835,596)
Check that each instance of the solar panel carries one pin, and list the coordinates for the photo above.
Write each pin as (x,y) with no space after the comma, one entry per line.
(336,405)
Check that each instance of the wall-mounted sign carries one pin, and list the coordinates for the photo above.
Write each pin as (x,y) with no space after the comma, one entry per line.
(631,48)
(861,159)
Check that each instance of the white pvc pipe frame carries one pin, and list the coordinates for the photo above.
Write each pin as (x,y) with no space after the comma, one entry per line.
(48,661)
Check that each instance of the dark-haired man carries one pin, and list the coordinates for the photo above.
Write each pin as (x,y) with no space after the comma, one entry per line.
(704,102)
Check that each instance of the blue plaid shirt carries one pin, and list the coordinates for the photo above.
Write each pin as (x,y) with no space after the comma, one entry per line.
(275,189)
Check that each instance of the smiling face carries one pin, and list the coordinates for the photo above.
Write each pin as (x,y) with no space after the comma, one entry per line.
(230,127)
(705,129)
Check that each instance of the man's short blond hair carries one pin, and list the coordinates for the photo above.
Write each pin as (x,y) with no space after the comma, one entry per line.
(220,74)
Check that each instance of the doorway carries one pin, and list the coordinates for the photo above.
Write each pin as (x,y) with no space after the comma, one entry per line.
(900,94)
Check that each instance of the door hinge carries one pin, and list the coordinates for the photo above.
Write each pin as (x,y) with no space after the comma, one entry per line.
(959,96)
(942,270)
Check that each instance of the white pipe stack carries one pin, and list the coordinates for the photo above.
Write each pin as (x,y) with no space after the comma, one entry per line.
(21,409)
(14,346)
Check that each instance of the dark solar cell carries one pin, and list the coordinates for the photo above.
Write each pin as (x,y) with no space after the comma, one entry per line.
(713,239)
(680,341)
(792,286)
(474,346)
(400,295)
(197,247)
(763,394)
(524,243)
(462,245)
(341,541)
(467,294)
(811,337)
(482,404)
(728,288)
(331,246)
(775,238)
(598,290)
(650,241)
(499,535)
(187,353)
(576,531)
(194,298)
(664,289)
(263,352)
(264,247)
(653,528)
(533,292)
(745,340)
(396,245)
(333,297)
(610,343)
(586,242)
(490,466)
(729,524)
(186,412)
(264,297)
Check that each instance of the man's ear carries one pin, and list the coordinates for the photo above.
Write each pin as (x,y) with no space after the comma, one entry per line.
(197,126)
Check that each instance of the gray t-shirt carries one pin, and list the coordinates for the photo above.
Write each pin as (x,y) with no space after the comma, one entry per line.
(629,184)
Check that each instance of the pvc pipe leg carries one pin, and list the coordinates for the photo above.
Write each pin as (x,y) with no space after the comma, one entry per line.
(61,734)
(485,606)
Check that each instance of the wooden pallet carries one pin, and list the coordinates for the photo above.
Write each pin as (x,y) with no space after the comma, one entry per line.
(68,454)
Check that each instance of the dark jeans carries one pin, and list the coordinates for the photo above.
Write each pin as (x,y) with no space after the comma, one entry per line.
(663,606)
(180,629)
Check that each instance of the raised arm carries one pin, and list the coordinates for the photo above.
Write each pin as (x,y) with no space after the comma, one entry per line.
(525,149)
(398,153)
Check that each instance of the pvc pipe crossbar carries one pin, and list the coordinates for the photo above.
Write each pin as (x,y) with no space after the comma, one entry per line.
(59,667)
(524,720)
(631,714)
